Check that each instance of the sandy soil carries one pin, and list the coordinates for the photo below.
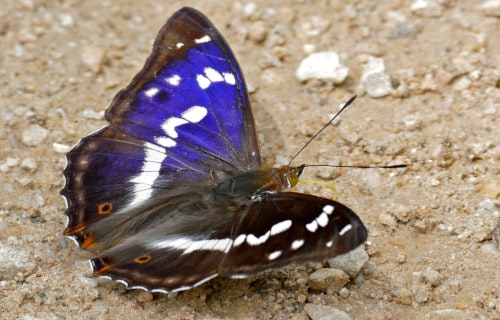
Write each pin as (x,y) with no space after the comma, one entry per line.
(432,247)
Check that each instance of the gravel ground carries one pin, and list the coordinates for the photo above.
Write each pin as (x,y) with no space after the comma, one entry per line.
(434,236)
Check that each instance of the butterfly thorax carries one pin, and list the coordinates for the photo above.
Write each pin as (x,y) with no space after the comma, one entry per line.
(253,184)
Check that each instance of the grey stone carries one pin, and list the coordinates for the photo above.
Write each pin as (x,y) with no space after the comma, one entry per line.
(317,312)
(326,279)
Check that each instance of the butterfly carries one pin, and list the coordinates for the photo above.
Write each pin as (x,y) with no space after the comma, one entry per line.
(172,192)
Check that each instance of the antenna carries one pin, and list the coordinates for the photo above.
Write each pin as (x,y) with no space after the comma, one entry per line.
(322,129)
(394,166)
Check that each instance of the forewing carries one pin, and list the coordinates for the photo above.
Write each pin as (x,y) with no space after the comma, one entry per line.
(184,119)
(190,98)
(285,228)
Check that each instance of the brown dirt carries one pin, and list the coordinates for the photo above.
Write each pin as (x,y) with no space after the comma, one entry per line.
(438,262)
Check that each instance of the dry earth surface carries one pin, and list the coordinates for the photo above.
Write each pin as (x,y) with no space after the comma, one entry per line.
(433,245)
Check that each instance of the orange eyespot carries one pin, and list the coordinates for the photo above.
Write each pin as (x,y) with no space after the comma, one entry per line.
(143,259)
(104,208)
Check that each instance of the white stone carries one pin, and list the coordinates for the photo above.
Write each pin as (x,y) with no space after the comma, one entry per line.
(491,8)
(375,80)
(34,135)
(60,148)
(323,66)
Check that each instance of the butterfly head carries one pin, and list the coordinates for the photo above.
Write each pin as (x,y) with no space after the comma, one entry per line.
(288,176)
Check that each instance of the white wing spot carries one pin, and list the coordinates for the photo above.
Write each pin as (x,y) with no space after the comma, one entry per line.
(150,170)
(229,78)
(274,255)
(281,227)
(151,92)
(252,240)
(345,229)
(195,114)
(328,209)
(203,81)
(322,220)
(203,39)
(329,243)
(213,75)
(174,80)
(170,124)
(166,142)
(296,244)
(179,45)
(239,240)
(312,226)
(188,245)
(212,244)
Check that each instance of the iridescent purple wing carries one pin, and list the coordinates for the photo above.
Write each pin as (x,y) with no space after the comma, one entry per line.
(190,98)
(185,118)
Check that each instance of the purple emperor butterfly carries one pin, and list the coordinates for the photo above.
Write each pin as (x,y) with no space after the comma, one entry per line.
(172,192)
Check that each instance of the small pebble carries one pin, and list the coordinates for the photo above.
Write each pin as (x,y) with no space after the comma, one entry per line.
(490,250)
(88,282)
(406,29)
(93,58)
(461,84)
(375,80)
(326,279)
(323,66)
(249,9)
(369,268)
(352,262)
(388,220)
(34,135)
(435,182)
(60,148)
(464,234)
(23,181)
(319,312)
(444,77)
(432,276)
(344,293)
(403,213)
(29,164)
(401,258)
(66,20)
(14,261)
(12,162)
(258,32)
(315,26)
(91,114)
(486,206)
(412,122)
(491,8)
(427,8)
